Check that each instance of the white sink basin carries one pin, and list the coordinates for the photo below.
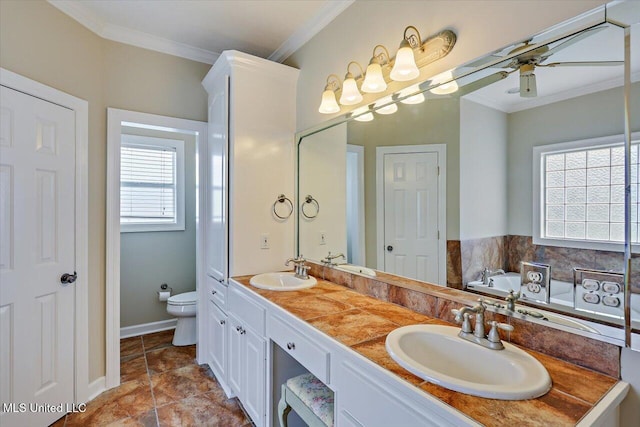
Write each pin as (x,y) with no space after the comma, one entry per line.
(351,268)
(436,354)
(281,282)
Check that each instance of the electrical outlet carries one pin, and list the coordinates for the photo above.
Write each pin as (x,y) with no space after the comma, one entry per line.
(264,241)
(323,238)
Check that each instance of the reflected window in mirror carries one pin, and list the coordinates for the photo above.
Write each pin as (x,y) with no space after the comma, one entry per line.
(579,193)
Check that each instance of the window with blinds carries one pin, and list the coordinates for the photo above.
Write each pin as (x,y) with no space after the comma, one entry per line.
(581,193)
(151,184)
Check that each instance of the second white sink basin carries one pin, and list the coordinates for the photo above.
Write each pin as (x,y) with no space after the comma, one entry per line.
(281,282)
(436,354)
(351,268)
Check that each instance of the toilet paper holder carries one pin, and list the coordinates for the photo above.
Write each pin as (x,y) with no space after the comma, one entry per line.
(165,292)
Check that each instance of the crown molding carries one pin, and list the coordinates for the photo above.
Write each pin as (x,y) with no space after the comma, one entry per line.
(117,33)
(310,28)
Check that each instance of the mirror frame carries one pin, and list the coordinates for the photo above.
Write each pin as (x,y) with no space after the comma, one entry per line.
(590,19)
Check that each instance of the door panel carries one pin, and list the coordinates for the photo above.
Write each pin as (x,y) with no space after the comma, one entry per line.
(411,203)
(37,225)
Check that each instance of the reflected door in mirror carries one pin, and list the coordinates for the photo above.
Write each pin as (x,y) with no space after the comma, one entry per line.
(411,215)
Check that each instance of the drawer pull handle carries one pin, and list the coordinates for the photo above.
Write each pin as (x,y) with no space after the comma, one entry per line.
(213,292)
(222,322)
(291,345)
(238,328)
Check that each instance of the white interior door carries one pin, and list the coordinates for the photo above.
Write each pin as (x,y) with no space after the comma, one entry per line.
(37,246)
(411,215)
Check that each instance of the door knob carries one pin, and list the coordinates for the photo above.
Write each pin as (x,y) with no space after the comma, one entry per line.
(389,248)
(67,278)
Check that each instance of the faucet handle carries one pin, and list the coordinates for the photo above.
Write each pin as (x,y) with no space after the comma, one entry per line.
(494,336)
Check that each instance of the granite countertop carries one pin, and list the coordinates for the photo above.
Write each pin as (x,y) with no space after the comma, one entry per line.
(362,323)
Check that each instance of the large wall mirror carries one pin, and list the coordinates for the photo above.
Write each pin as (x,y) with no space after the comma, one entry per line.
(521,159)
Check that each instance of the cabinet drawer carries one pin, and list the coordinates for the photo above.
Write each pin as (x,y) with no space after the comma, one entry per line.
(250,313)
(217,292)
(313,357)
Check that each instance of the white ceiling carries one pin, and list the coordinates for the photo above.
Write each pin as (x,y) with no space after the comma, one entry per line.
(201,29)
(559,83)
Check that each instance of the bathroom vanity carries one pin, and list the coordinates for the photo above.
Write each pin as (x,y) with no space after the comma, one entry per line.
(338,335)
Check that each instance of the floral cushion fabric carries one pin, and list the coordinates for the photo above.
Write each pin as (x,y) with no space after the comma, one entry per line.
(315,394)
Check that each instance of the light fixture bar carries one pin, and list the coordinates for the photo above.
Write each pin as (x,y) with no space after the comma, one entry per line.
(433,48)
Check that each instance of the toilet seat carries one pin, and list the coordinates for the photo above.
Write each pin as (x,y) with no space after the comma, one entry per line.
(187,298)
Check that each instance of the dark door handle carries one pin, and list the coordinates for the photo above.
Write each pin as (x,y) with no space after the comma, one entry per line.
(67,278)
(390,248)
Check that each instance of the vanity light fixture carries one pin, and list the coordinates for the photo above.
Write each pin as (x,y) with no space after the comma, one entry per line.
(363,114)
(405,68)
(350,93)
(329,105)
(413,54)
(418,98)
(389,106)
(447,84)
(374,79)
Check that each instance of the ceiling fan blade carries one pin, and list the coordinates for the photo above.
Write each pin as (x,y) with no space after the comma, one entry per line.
(528,86)
(584,34)
(583,64)
(480,83)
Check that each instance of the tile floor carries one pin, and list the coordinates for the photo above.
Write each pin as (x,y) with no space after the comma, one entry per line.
(160,385)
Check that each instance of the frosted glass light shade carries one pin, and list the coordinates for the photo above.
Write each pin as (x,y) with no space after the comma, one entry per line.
(366,117)
(373,80)
(350,93)
(418,98)
(447,88)
(389,108)
(329,105)
(415,99)
(404,68)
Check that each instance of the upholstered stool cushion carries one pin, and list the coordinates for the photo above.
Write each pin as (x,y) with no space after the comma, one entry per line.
(313,393)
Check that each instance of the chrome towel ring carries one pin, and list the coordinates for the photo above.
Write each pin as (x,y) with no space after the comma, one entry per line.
(309,200)
(283,199)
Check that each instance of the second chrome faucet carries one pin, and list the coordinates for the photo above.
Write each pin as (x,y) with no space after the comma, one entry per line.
(477,335)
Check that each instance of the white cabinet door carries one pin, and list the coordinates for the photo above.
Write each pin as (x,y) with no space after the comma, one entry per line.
(254,377)
(236,356)
(216,248)
(217,341)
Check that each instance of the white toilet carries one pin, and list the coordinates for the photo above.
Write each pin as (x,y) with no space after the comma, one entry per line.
(183,306)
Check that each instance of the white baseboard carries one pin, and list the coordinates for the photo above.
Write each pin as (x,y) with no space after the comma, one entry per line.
(96,387)
(147,328)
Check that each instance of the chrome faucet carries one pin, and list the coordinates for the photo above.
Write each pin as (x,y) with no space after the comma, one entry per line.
(511,300)
(487,274)
(300,269)
(491,340)
(328,261)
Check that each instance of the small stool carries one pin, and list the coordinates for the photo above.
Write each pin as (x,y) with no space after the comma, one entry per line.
(310,398)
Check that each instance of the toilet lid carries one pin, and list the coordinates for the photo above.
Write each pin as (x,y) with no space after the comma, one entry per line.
(184,298)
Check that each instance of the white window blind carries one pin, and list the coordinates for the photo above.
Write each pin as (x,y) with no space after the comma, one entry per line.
(582,192)
(150,184)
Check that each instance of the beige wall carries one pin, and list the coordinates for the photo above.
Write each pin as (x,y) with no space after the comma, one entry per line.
(481,27)
(41,43)
(323,174)
(435,121)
